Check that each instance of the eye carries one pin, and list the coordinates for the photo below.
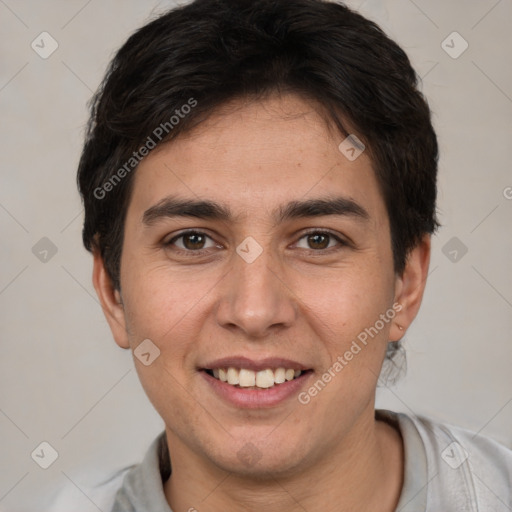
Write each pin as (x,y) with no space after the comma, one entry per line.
(191,241)
(196,242)
(321,240)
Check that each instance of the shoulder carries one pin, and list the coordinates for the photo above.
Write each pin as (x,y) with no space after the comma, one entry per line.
(463,467)
(455,446)
(134,487)
(88,493)
(92,488)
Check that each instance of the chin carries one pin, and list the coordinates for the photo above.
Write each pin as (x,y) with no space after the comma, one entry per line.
(262,462)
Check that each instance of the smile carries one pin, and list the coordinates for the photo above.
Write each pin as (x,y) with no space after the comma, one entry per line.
(248,383)
(245,378)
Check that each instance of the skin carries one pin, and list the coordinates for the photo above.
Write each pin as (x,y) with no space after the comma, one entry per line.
(298,300)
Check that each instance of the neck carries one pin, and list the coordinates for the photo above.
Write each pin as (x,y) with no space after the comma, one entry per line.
(364,471)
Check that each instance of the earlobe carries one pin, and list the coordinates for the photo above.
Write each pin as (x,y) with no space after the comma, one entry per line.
(111,301)
(409,287)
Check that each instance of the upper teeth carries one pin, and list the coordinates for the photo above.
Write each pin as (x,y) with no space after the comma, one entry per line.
(262,379)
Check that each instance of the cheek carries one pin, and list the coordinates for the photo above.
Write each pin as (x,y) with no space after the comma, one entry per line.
(346,301)
(159,304)
(166,309)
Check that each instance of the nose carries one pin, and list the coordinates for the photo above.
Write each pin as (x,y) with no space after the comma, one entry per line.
(255,298)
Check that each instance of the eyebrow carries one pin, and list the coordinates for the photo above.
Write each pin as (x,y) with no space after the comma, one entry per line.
(170,207)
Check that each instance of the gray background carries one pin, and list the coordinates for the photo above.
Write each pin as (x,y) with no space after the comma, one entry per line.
(62,378)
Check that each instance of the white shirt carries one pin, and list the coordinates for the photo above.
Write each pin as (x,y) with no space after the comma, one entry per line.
(447,469)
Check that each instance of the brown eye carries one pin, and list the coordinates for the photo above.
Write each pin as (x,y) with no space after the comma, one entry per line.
(193,241)
(318,240)
(190,241)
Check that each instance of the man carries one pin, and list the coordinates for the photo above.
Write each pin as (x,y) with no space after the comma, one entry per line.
(259,182)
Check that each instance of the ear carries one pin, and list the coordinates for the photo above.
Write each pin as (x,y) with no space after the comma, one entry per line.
(111,301)
(409,287)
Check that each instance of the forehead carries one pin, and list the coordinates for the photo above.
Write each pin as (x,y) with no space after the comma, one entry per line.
(255,156)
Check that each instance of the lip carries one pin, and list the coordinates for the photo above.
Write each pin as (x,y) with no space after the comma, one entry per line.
(256,398)
(256,366)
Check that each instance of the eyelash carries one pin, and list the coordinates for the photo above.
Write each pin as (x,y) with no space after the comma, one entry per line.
(201,252)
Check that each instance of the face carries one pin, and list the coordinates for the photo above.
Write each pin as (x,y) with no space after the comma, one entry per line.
(254,243)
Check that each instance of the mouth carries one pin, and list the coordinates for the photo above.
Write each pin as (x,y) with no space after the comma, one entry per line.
(251,379)
(255,384)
